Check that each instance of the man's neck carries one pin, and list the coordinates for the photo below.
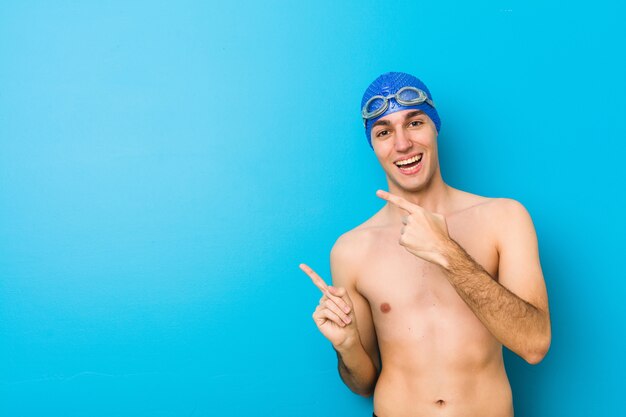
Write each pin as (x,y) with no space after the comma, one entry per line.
(435,197)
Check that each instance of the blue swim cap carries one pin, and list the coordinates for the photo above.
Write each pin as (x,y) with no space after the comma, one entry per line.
(391,83)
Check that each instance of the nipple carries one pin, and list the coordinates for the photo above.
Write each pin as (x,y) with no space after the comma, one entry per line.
(385,307)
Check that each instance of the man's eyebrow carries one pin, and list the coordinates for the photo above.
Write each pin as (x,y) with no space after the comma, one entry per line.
(413,114)
(381,122)
(408,116)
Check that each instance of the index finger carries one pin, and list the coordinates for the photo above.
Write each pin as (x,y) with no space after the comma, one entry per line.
(317,280)
(398,201)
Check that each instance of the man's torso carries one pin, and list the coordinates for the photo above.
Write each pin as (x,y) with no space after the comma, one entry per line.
(438,359)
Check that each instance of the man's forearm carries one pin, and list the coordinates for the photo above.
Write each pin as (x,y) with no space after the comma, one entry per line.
(517,324)
(356,368)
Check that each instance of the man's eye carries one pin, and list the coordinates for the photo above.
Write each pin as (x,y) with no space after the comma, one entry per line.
(382,133)
(414,123)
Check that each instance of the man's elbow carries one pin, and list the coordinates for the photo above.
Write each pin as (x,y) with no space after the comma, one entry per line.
(538,353)
(364,389)
(367,393)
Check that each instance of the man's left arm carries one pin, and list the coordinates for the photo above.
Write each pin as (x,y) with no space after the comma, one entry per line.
(515,309)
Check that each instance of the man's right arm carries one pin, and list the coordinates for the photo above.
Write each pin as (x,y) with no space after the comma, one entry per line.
(358,358)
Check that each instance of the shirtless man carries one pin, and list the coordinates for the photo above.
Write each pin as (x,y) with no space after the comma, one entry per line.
(427,290)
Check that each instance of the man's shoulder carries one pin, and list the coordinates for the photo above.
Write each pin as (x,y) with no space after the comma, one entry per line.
(355,245)
(355,242)
(511,221)
(506,219)
(491,208)
(349,253)
(507,209)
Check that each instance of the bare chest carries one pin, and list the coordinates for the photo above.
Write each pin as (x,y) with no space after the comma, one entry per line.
(396,281)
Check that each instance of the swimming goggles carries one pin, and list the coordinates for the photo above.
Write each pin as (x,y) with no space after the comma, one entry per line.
(406,96)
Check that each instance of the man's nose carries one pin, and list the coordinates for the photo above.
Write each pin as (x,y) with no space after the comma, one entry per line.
(403,141)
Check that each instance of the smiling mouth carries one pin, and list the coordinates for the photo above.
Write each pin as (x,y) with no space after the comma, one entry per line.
(408,164)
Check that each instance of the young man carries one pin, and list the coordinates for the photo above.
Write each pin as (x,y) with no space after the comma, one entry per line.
(428,289)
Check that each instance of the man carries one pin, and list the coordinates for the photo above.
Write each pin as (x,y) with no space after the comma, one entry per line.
(428,289)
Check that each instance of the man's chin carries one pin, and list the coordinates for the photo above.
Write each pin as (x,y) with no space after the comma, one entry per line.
(410,184)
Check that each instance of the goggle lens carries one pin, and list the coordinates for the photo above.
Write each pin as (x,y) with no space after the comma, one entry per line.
(375,103)
(409,95)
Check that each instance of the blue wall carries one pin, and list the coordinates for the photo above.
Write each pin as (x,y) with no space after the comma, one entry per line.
(165,167)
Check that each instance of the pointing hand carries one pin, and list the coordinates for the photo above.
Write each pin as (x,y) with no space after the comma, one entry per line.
(334,316)
(424,234)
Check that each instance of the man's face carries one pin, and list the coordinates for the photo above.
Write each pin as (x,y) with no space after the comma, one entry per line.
(406,136)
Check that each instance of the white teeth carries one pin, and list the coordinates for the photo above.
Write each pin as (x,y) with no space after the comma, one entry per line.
(410,160)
